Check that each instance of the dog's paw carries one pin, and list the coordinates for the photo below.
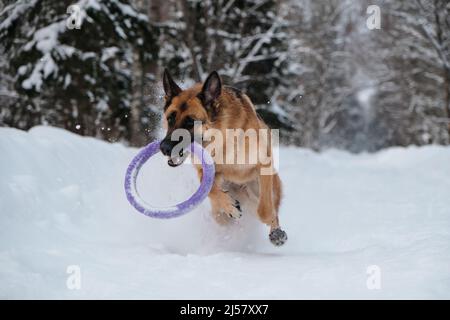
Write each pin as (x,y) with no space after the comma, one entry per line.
(225,208)
(278,237)
(232,209)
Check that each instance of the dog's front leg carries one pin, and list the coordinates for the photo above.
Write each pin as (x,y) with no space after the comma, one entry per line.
(223,206)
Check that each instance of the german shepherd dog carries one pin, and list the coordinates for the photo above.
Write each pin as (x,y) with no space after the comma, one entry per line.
(220,107)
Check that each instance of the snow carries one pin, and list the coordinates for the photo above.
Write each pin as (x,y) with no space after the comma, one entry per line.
(108,53)
(62,204)
(67,80)
(17,9)
(45,40)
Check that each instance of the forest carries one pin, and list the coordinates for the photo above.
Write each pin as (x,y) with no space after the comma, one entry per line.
(323,72)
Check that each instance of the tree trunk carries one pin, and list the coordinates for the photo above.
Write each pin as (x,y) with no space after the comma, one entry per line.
(447,98)
(189,38)
(439,8)
(136,134)
(158,12)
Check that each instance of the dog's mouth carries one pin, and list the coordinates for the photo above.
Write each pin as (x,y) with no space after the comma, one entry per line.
(176,160)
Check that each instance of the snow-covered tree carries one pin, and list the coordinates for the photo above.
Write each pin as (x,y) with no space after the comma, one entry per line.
(244,40)
(71,63)
(320,73)
(412,55)
(367,89)
(312,67)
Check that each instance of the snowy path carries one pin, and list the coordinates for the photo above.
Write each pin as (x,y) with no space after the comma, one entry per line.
(62,203)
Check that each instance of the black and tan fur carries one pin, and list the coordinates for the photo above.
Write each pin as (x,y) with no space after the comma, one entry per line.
(223,107)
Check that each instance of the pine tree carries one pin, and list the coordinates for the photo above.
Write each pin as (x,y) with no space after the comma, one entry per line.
(412,103)
(244,40)
(75,78)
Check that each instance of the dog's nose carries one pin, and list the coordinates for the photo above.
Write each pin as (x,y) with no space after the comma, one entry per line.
(165,147)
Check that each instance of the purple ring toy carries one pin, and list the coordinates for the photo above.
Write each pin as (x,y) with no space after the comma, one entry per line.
(176,210)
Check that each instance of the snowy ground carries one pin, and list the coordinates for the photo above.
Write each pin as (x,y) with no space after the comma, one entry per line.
(62,203)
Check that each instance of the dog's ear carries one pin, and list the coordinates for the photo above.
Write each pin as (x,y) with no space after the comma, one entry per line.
(211,89)
(170,87)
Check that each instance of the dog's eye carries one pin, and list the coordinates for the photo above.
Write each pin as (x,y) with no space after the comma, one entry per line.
(189,123)
(171,119)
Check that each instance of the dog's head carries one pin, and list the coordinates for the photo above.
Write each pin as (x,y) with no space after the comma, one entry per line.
(186,113)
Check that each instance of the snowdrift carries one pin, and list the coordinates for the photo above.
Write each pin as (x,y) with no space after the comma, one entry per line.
(62,204)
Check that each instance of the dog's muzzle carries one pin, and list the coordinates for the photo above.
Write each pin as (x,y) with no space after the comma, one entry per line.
(175,160)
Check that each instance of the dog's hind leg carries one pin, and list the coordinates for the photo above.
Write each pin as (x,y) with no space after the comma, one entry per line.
(277,194)
(269,202)
(265,204)
(277,236)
